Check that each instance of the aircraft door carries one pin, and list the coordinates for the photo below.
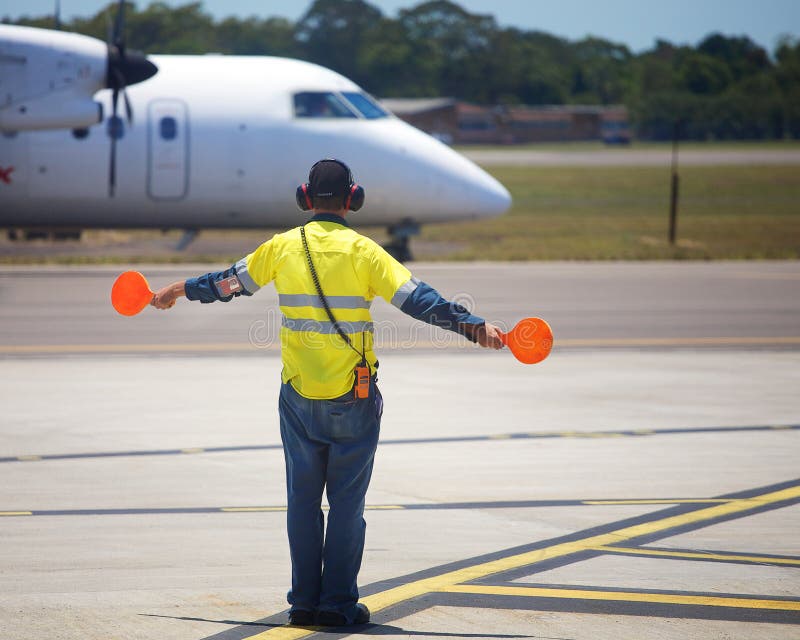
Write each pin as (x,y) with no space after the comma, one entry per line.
(168,150)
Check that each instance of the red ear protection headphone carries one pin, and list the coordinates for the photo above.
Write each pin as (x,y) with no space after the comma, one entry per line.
(353,201)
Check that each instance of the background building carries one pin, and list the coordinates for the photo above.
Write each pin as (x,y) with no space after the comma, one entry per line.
(456,122)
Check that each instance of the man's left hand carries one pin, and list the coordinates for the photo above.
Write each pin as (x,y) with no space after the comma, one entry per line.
(165,298)
(487,335)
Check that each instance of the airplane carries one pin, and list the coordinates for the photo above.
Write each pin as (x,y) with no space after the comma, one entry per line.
(216,142)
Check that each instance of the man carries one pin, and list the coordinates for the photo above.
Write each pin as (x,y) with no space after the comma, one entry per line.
(330,408)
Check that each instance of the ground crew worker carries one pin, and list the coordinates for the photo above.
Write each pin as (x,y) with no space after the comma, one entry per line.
(330,408)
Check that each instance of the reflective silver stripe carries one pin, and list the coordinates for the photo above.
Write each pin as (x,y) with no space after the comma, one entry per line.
(320,326)
(404,291)
(244,276)
(336,302)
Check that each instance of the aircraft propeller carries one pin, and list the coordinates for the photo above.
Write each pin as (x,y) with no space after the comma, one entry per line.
(125,67)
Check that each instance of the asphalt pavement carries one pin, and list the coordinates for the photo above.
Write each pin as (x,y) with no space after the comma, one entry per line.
(52,310)
(642,482)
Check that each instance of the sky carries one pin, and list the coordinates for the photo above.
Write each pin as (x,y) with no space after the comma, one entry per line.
(636,23)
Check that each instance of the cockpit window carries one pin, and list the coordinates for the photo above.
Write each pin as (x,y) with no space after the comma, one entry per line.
(312,104)
(366,105)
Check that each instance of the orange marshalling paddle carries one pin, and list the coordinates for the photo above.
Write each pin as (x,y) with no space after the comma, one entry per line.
(130,293)
(530,341)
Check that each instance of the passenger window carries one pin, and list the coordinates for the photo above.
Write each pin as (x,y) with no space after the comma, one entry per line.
(320,105)
(365,104)
(168,128)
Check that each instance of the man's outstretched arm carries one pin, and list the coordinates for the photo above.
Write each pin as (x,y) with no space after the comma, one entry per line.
(423,302)
(221,286)
(218,286)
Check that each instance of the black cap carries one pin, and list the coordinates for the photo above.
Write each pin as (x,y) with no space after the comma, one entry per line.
(329,178)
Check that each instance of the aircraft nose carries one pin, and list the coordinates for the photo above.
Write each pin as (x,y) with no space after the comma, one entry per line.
(489,196)
(454,187)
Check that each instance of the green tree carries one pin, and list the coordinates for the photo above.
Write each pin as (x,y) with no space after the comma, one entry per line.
(725,87)
(453,45)
(702,74)
(390,64)
(787,77)
(332,33)
(254,37)
(742,56)
(599,71)
(527,67)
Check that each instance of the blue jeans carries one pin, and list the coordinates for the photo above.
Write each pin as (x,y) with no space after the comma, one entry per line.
(327,444)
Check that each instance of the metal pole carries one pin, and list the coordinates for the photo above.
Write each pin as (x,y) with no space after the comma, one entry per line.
(673,200)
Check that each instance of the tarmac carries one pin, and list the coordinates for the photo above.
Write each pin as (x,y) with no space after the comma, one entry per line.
(642,482)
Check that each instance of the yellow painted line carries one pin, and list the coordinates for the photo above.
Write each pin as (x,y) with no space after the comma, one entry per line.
(584,434)
(627,596)
(500,436)
(29,458)
(283,633)
(205,347)
(16,513)
(730,557)
(575,434)
(660,501)
(193,450)
(390,597)
(383,507)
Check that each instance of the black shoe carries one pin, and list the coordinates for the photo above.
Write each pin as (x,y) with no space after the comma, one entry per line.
(301,618)
(336,619)
(362,617)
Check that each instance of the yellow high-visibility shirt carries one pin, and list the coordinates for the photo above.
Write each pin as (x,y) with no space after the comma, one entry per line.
(352,270)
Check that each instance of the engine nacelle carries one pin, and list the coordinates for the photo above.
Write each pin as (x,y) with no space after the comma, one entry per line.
(48,79)
(52,112)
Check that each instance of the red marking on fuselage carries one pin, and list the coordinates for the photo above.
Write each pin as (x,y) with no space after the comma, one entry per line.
(5,175)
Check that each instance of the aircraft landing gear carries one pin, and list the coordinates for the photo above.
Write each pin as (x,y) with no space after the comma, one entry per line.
(400,234)
(186,239)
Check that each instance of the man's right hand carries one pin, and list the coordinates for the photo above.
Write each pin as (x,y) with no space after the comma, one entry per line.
(165,298)
(487,335)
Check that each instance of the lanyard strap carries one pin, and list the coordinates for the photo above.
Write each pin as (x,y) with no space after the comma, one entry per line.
(324,300)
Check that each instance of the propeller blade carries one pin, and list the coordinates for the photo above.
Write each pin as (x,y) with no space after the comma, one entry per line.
(123,68)
(128,109)
(119,25)
(112,168)
(112,129)
(109,32)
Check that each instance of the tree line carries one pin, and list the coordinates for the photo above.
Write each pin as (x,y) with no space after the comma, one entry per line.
(725,87)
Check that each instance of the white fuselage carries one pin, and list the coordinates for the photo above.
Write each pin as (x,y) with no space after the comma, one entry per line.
(215,142)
